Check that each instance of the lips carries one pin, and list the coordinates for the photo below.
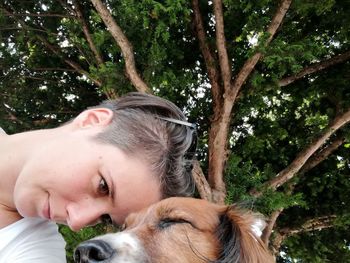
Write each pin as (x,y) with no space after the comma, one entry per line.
(46,210)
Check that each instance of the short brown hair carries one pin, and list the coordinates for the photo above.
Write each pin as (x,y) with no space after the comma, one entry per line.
(137,128)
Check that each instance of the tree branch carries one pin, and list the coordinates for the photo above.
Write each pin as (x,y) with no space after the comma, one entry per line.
(38,15)
(216,190)
(201,182)
(70,62)
(124,44)
(209,59)
(315,68)
(321,155)
(317,223)
(266,235)
(28,29)
(66,6)
(39,78)
(53,69)
(316,159)
(56,51)
(276,243)
(270,225)
(221,45)
(86,32)
(77,10)
(249,65)
(10,116)
(290,171)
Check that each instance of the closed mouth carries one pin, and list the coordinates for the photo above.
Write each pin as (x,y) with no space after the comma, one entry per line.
(46,210)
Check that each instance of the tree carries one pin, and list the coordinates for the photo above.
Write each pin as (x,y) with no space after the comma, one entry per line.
(267,82)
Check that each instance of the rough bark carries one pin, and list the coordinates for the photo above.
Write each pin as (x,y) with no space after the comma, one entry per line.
(218,135)
(292,169)
(315,68)
(124,44)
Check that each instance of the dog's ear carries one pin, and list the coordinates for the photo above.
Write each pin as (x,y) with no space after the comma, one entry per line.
(239,234)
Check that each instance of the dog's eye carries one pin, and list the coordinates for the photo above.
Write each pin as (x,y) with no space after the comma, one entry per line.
(167,222)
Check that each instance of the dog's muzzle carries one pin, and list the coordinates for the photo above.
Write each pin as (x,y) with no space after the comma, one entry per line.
(93,251)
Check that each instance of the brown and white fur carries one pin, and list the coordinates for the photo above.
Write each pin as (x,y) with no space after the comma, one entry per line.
(180,230)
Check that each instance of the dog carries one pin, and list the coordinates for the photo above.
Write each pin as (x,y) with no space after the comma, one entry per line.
(180,230)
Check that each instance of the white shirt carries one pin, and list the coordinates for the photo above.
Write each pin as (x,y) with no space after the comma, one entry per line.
(32,240)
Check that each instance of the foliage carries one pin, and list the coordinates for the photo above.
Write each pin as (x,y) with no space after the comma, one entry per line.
(270,124)
(310,247)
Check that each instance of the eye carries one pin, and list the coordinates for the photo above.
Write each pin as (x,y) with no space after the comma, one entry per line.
(122,227)
(168,222)
(103,187)
(106,219)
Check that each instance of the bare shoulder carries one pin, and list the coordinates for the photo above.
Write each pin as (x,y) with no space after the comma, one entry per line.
(2,132)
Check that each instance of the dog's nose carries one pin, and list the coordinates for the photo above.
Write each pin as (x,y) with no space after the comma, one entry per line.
(93,251)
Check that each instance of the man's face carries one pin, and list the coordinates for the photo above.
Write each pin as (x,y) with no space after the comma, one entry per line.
(75,180)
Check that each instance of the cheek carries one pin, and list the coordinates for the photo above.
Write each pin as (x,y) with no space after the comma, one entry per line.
(63,180)
(71,175)
(71,184)
(64,177)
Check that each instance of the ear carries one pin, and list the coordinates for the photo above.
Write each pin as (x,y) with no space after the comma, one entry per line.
(94,117)
(238,239)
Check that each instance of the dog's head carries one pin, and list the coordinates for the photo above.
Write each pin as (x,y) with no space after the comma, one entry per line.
(180,230)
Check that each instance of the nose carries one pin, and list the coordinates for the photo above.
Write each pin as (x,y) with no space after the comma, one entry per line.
(93,251)
(80,216)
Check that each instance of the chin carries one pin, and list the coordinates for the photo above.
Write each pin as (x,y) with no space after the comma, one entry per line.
(25,206)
